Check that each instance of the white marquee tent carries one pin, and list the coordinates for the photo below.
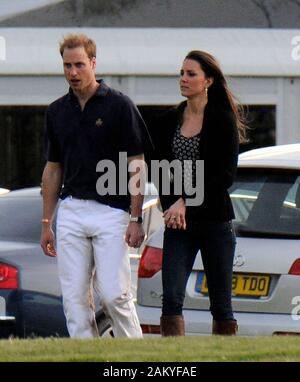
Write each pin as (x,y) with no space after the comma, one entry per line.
(263,65)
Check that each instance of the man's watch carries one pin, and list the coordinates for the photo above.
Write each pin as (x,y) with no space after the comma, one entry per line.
(136,219)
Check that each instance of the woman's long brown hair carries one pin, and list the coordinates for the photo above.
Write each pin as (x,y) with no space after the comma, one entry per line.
(219,92)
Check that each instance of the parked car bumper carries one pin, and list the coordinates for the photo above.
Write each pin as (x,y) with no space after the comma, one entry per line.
(199,322)
(7,326)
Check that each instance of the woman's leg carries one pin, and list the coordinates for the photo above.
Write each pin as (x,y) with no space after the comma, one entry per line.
(179,252)
(217,250)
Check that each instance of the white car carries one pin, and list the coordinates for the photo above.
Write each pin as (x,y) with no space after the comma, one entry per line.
(30,294)
(266,282)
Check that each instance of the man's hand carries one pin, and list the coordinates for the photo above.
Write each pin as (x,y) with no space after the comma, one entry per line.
(51,186)
(134,235)
(47,242)
(175,215)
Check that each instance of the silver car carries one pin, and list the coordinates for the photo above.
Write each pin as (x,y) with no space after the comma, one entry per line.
(30,293)
(266,281)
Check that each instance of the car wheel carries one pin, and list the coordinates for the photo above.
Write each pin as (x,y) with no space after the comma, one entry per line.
(104,327)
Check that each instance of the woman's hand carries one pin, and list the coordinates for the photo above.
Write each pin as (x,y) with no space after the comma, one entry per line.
(175,215)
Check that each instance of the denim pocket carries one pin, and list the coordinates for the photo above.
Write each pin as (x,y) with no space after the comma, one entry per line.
(221,230)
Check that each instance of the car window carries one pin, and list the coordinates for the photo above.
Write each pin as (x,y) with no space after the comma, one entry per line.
(21,213)
(266,203)
(20,218)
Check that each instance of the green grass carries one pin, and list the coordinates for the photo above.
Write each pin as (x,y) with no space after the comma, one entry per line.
(195,349)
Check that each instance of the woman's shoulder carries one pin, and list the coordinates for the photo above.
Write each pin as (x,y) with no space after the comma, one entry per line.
(222,122)
(226,118)
(163,120)
(226,113)
(168,114)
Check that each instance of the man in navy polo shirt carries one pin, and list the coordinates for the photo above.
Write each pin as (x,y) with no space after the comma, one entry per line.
(92,123)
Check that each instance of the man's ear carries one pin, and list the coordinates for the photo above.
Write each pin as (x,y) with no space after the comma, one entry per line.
(93,60)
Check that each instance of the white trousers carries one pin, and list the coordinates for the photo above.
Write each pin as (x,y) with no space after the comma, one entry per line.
(91,251)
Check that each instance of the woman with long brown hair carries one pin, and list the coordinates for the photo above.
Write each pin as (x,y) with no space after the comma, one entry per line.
(208,126)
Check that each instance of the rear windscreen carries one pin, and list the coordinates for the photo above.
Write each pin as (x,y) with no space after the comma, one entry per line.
(266,203)
(20,218)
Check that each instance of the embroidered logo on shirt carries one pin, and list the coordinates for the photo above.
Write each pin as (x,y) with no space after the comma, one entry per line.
(99,122)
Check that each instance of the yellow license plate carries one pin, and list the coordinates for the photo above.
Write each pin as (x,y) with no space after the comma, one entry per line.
(245,284)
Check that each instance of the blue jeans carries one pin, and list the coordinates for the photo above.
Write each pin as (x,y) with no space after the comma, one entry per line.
(216,241)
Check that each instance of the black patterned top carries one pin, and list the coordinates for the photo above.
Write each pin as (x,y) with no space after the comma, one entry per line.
(186,149)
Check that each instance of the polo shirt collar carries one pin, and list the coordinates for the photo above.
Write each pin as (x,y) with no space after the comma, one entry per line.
(102,89)
(100,92)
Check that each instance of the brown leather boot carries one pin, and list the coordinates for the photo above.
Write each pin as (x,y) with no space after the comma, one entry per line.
(225,328)
(172,326)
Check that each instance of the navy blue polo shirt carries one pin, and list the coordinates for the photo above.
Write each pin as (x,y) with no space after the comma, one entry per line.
(109,124)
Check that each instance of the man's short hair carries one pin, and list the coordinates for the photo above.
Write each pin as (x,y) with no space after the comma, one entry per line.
(77,40)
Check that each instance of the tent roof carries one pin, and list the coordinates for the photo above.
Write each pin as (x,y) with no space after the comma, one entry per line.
(155,51)
(11,8)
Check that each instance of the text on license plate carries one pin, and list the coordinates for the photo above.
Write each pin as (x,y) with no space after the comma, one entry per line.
(243,284)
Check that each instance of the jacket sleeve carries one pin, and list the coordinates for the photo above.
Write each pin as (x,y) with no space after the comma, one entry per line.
(224,156)
(160,129)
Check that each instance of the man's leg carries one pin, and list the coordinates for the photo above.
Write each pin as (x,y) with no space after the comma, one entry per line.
(75,265)
(113,274)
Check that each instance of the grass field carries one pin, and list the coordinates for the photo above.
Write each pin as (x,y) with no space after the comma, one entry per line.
(194,349)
